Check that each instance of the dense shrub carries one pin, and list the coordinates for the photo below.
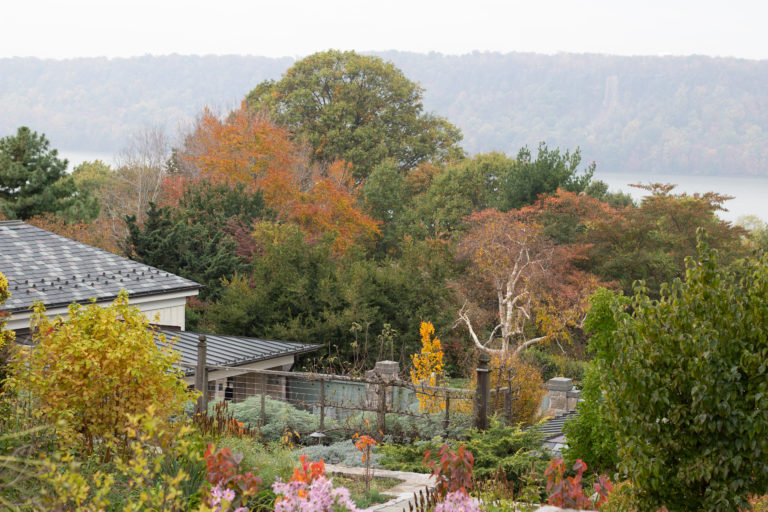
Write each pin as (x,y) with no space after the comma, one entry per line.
(94,369)
(688,391)
(343,453)
(590,435)
(553,365)
(509,448)
(279,417)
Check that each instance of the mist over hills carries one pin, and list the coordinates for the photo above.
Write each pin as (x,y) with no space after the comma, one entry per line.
(679,115)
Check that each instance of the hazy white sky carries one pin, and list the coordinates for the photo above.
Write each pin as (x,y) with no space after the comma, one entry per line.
(118,28)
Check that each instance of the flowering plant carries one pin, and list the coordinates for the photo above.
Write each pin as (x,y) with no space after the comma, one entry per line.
(230,487)
(458,501)
(310,491)
(317,496)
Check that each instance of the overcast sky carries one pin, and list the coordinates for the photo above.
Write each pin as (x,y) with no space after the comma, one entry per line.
(117,28)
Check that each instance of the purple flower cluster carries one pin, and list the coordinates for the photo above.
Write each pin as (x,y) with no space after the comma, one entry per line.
(221,498)
(458,501)
(319,496)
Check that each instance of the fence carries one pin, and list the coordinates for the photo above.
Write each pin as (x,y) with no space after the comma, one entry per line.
(380,402)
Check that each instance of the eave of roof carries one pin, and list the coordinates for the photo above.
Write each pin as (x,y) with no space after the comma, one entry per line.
(232,351)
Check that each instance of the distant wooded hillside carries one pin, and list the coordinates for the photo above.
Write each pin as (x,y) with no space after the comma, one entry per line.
(681,115)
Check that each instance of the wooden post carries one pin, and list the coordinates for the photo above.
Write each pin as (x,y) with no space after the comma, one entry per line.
(263,399)
(483,391)
(322,404)
(447,419)
(382,416)
(201,374)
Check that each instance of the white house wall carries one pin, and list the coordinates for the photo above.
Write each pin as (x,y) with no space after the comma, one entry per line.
(166,309)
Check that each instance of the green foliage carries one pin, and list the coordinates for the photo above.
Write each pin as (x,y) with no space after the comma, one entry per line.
(272,460)
(590,435)
(295,290)
(509,448)
(554,365)
(33,180)
(687,393)
(197,239)
(162,469)
(359,109)
(528,179)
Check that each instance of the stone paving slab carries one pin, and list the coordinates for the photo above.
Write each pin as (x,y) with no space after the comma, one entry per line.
(401,494)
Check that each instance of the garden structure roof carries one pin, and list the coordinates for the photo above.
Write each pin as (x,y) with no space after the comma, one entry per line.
(223,350)
(552,431)
(57,271)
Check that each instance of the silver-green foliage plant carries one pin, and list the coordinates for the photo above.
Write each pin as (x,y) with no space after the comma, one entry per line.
(343,453)
(688,392)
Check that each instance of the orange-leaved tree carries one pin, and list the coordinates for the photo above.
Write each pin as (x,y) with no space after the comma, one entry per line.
(428,369)
(246,147)
(93,369)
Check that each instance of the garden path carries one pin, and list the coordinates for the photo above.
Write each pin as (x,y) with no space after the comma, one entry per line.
(401,494)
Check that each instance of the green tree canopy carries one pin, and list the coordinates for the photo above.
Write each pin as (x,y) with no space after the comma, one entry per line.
(197,239)
(33,179)
(357,108)
(687,392)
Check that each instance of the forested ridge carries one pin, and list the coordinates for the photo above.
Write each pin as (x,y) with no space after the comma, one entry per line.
(677,115)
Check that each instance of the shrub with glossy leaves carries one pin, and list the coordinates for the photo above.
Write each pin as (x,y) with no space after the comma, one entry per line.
(688,391)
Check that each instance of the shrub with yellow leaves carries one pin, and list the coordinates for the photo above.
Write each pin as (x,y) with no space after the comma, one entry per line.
(91,371)
(523,381)
(428,369)
(5,336)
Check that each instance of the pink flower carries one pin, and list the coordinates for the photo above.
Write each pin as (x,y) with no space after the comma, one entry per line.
(458,501)
(319,496)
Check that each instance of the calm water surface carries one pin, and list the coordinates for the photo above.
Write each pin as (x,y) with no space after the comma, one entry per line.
(750,194)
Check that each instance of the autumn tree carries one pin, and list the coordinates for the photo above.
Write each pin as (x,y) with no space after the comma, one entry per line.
(359,109)
(650,242)
(33,179)
(138,179)
(534,297)
(248,148)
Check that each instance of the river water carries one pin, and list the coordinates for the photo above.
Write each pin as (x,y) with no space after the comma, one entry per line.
(750,194)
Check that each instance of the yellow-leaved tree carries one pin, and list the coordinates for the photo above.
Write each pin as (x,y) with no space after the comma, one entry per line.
(428,369)
(91,371)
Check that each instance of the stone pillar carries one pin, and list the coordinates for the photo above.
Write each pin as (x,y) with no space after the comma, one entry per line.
(563,397)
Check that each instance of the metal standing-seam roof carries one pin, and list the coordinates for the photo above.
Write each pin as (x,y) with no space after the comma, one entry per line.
(57,271)
(225,350)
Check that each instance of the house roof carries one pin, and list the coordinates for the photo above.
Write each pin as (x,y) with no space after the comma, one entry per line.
(225,350)
(57,271)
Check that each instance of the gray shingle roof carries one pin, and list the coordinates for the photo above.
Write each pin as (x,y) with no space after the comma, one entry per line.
(225,350)
(46,267)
